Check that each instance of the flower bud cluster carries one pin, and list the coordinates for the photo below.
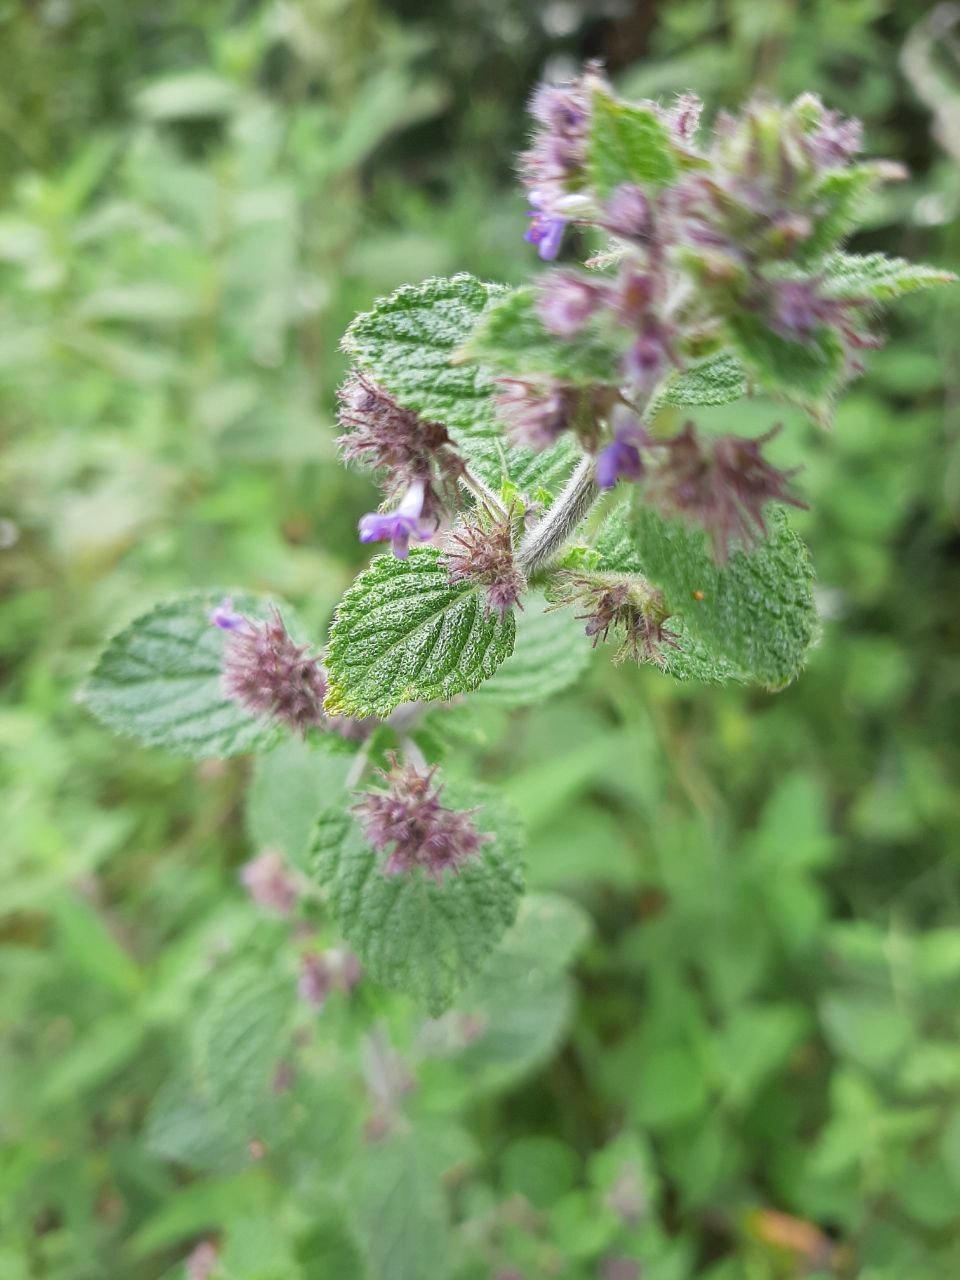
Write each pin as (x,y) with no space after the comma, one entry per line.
(480,550)
(626,606)
(266,672)
(406,820)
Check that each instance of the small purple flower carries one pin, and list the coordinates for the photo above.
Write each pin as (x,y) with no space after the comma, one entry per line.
(224,616)
(408,821)
(619,460)
(546,233)
(269,883)
(567,301)
(398,527)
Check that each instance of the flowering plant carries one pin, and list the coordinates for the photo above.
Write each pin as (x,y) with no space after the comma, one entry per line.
(546,490)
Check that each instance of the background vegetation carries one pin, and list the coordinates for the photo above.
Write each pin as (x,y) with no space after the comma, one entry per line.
(753,1070)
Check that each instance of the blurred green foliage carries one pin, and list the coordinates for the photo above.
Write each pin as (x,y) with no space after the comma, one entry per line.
(754,1071)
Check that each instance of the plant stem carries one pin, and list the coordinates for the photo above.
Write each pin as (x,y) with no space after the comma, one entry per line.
(481,491)
(547,537)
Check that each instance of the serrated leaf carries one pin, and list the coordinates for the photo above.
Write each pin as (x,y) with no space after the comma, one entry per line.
(809,373)
(510,338)
(840,198)
(289,787)
(719,379)
(874,275)
(398,1210)
(159,680)
(185,1126)
(756,612)
(550,653)
(402,633)
(411,932)
(628,143)
(240,1035)
(406,342)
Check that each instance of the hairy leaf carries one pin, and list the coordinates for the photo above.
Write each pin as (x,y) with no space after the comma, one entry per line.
(841,197)
(809,373)
(535,477)
(398,1210)
(290,786)
(756,612)
(550,653)
(411,932)
(510,338)
(406,341)
(718,379)
(874,275)
(628,143)
(402,633)
(159,680)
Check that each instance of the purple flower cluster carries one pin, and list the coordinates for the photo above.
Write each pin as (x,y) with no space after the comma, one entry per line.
(270,675)
(326,971)
(407,821)
(723,486)
(481,551)
(634,610)
(553,169)
(269,883)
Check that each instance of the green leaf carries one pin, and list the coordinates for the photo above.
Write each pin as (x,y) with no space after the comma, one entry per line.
(510,338)
(874,275)
(550,653)
(406,342)
(809,373)
(290,786)
(411,932)
(755,613)
(839,201)
(399,1212)
(159,680)
(628,143)
(402,633)
(240,1035)
(719,379)
(535,477)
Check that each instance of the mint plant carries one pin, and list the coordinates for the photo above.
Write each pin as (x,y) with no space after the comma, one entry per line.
(550,487)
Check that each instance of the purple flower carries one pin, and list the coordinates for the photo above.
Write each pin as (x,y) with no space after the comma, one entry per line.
(619,460)
(264,671)
(224,616)
(407,820)
(332,970)
(546,233)
(567,301)
(398,527)
(269,883)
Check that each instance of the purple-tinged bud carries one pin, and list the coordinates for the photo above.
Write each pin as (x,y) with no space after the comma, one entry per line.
(407,821)
(202,1261)
(382,435)
(568,300)
(398,527)
(269,883)
(535,414)
(264,671)
(830,139)
(619,460)
(620,1269)
(627,213)
(321,973)
(683,117)
(723,488)
(482,552)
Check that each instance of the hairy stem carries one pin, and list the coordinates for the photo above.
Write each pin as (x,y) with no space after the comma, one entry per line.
(482,492)
(547,537)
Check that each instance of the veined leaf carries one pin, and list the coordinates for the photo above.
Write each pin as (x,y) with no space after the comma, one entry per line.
(406,342)
(398,1210)
(719,379)
(510,338)
(411,932)
(628,143)
(159,680)
(550,653)
(874,275)
(755,612)
(402,633)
